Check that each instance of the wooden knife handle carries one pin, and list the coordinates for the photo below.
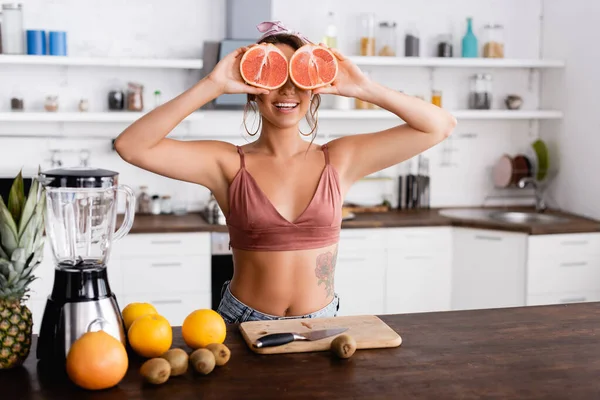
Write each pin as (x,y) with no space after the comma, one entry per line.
(275,339)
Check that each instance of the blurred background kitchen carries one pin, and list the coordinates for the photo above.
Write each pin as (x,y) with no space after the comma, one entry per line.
(106,61)
(520,76)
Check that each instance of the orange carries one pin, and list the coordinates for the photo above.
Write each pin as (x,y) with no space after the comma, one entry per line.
(150,335)
(97,361)
(136,310)
(203,327)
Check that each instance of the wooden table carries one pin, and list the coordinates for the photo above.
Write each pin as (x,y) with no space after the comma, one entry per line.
(549,352)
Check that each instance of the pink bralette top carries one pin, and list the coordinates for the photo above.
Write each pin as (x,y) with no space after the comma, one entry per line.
(255,224)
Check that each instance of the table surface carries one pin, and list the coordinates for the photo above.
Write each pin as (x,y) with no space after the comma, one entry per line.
(550,352)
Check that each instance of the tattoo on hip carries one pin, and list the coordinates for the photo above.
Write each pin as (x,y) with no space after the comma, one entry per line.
(325,270)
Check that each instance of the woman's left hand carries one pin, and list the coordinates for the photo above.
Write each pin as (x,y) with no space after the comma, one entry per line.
(349,81)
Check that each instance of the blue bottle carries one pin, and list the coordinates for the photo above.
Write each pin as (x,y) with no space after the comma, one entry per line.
(469,41)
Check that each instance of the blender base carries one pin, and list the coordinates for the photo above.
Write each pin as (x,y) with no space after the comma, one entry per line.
(81,301)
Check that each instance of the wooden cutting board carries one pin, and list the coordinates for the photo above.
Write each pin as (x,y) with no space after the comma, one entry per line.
(369,331)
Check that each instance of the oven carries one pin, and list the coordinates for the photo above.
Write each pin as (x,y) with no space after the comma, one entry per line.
(221,265)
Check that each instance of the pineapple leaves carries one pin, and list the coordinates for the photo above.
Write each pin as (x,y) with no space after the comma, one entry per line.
(29,207)
(8,230)
(19,258)
(34,227)
(16,197)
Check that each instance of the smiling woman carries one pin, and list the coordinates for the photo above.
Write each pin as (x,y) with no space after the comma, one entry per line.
(281,194)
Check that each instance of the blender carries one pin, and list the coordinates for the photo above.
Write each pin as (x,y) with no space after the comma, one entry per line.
(81,213)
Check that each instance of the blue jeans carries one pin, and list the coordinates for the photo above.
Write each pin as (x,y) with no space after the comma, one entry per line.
(234,311)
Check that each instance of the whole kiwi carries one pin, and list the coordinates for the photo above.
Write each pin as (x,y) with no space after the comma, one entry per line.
(203,361)
(156,371)
(178,359)
(221,353)
(343,346)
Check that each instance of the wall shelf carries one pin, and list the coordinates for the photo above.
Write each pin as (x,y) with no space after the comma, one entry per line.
(458,114)
(101,62)
(117,116)
(325,114)
(455,62)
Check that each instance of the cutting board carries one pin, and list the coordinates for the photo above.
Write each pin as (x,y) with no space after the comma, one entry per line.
(369,331)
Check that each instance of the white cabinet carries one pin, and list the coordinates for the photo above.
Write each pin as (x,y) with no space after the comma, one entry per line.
(419,268)
(563,268)
(488,269)
(170,271)
(360,271)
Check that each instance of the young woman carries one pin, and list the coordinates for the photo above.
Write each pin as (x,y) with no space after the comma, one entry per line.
(282,195)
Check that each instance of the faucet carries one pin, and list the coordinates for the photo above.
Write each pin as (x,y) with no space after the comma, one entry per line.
(540,204)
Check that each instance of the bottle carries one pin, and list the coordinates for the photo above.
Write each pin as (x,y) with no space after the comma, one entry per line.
(144,201)
(469,41)
(155,204)
(330,38)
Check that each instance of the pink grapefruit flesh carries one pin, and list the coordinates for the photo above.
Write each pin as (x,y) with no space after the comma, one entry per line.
(264,66)
(313,66)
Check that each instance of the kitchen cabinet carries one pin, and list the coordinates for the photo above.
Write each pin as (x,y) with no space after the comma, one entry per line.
(169,270)
(563,268)
(488,269)
(360,271)
(418,276)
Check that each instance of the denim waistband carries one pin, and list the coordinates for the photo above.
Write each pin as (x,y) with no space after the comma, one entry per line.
(234,311)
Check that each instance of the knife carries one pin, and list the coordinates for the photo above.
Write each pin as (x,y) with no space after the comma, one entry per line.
(277,339)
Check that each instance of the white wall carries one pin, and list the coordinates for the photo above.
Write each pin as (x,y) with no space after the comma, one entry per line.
(167,29)
(570,32)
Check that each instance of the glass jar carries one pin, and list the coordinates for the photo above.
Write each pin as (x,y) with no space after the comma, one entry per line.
(16,104)
(155,205)
(480,93)
(367,36)
(493,40)
(144,202)
(84,105)
(411,42)
(13,38)
(135,97)
(436,98)
(387,39)
(51,103)
(116,100)
(165,205)
(444,47)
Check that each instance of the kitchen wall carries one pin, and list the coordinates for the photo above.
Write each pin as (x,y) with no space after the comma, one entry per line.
(460,167)
(570,31)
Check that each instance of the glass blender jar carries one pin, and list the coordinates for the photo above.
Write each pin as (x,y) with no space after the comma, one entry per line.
(81,213)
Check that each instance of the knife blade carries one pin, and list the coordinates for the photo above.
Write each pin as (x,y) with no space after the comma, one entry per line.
(278,339)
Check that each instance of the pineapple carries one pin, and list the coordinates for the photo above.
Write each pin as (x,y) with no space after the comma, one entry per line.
(21,250)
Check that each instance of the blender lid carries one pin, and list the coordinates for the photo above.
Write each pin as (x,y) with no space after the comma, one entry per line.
(78,177)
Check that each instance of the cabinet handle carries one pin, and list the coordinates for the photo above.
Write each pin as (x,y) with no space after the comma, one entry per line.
(486,237)
(158,265)
(574,242)
(418,257)
(174,301)
(574,264)
(573,300)
(166,242)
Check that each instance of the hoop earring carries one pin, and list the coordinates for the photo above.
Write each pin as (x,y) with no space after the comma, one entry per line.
(246,127)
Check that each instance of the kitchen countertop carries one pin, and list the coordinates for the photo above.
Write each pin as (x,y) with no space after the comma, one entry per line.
(194,222)
(531,352)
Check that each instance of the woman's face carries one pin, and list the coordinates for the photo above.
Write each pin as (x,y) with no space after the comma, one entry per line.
(284,107)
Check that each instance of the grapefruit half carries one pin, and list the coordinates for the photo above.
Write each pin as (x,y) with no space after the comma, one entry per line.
(264,66)
(313,66)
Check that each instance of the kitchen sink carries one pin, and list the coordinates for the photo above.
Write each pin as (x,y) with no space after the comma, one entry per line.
(527,218)
(511,217)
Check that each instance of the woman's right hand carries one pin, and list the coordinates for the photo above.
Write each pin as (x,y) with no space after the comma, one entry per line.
(226,75)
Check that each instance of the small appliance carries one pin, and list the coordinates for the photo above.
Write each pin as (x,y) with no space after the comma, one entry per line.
(81,213)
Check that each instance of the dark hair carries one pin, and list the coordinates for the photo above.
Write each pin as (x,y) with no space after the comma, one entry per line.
(311,117)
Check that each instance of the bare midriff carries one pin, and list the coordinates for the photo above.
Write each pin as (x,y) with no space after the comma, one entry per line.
(284,283)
